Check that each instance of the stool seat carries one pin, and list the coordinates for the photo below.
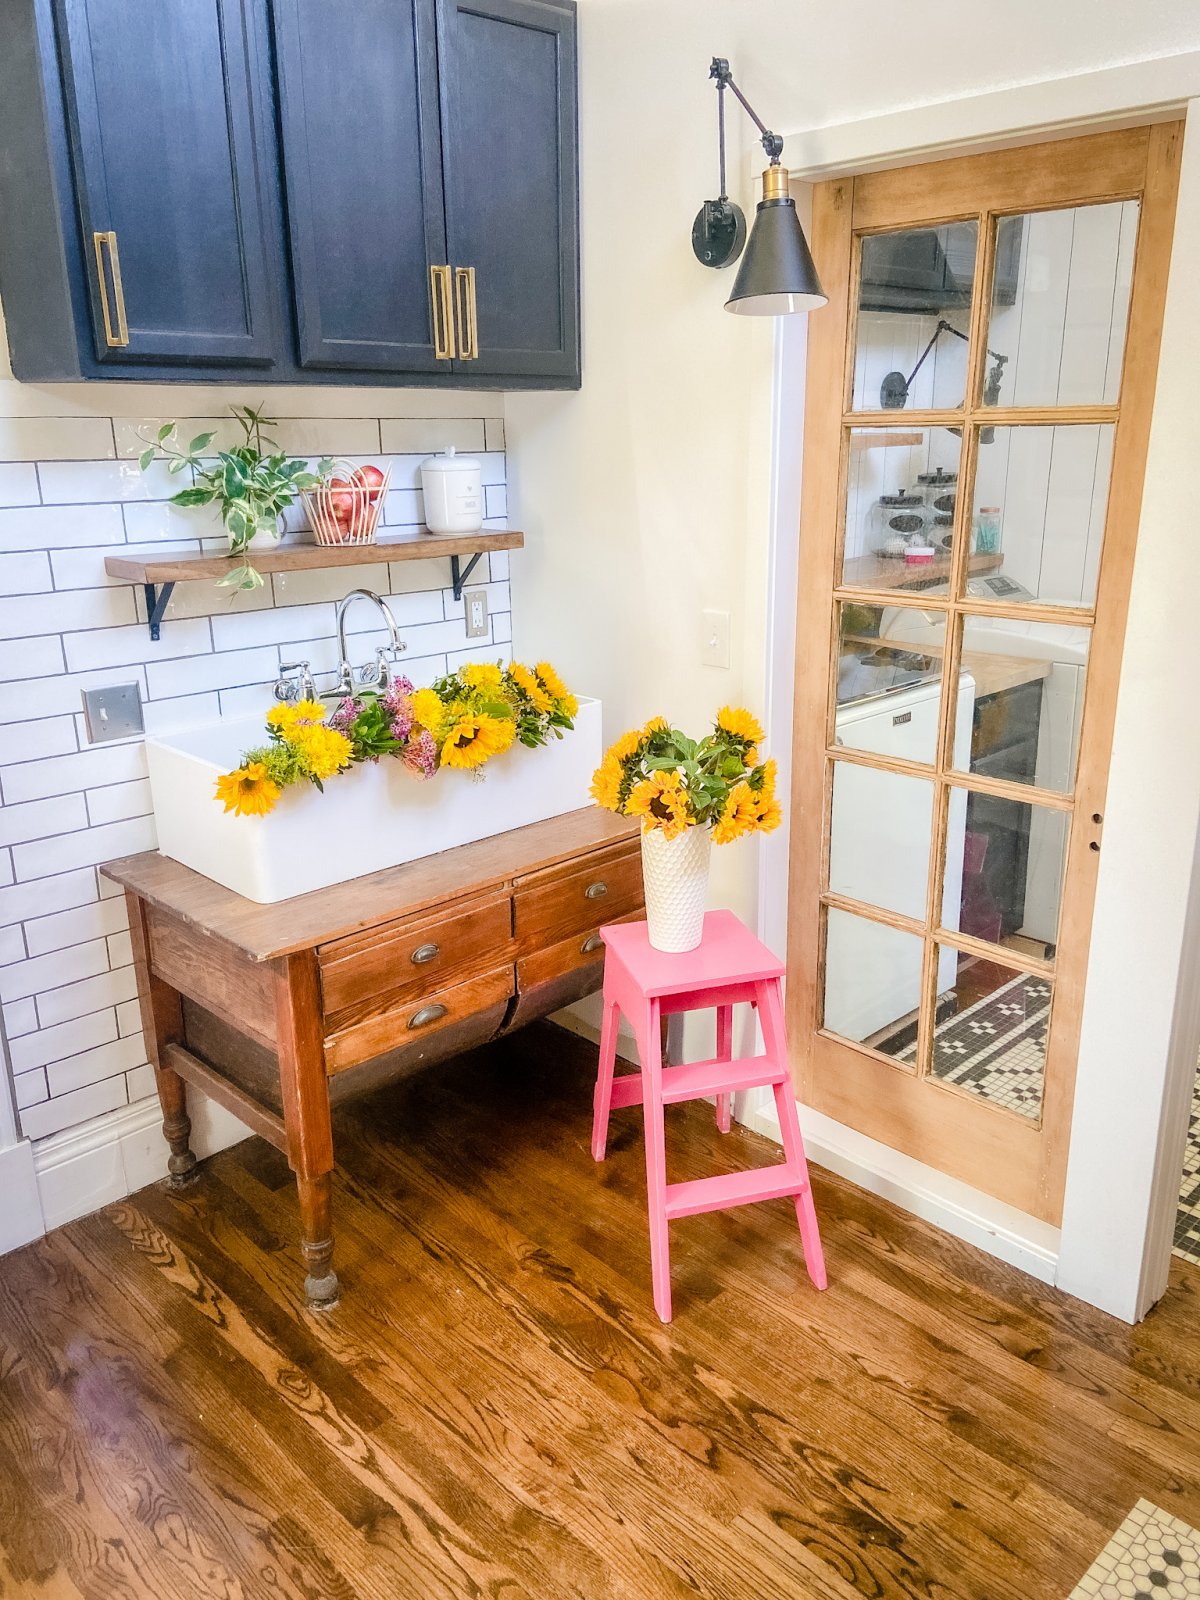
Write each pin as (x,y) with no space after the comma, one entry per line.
(729,966)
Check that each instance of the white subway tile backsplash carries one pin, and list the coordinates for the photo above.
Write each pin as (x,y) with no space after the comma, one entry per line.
(52,1116)
(66,1039)
(20,1017)
(498,565)
(119,801)
(53,527)
(30,658)
(65,613)
(66,971)
(87,769)
(19,484)
(77,926)
(86,849)
(495,500)
(34,741)
(226,671)
(27,572)
(55,438)
(53,971)
(76,1072)
(25,901)
(41,818)
(92,994)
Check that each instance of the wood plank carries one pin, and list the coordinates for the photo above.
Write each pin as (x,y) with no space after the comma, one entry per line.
(212,971)
(227,1094)
(145,566)
(265,932)
(885,572)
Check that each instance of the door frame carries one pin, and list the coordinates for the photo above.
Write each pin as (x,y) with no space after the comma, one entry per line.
(1114,1246)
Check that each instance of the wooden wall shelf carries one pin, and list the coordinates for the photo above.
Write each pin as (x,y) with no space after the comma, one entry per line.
(160,573)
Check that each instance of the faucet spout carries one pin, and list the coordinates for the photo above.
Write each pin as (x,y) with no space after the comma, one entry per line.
(379,674)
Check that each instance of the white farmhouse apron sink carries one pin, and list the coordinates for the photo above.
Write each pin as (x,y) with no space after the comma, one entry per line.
(377,815)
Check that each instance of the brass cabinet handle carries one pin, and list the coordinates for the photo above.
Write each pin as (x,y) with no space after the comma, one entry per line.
(592,942)
(595,891)
(441,294)
(425,952)
(427,1014)
(118,340)
(468,316)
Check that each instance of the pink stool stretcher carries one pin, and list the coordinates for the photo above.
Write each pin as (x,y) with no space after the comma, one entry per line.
(644,985)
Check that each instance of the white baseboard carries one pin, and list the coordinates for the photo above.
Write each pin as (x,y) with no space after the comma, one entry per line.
(966,1213)
(21,1214)
(84,1168)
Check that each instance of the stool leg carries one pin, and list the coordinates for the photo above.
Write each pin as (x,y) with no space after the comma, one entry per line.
(770,1010)
(602,1100)
(724,1053)
(650,1050)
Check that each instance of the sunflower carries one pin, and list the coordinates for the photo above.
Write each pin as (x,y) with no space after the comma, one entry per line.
(770,813)
(428,710)
(556,688)
(529,686)
(474,738)
(606,783)
(325,750)
(662,801)
(248,792)
(481,675)
(738,722)
(655,725)
(283,718)
(739,816)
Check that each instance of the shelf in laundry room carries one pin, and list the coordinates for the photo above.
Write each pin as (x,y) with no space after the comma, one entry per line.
(888,572)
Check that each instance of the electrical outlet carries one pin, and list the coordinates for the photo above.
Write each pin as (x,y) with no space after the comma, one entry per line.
(114,712)
(475,604)
(714,650)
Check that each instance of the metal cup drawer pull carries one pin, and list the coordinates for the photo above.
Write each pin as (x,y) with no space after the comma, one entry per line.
(595,891)
(425,952)
(592,942)
(427,1014)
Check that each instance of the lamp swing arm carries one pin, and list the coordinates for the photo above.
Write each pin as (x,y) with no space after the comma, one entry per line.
(772,143)
(994,378)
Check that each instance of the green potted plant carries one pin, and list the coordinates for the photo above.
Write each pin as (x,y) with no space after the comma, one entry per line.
(252,484)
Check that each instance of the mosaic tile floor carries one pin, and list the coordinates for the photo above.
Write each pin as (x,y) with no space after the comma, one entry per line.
(1187,1221)
(1151,1553)
(995,1047)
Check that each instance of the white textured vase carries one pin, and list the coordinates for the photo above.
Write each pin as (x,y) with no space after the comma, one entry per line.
(675,873)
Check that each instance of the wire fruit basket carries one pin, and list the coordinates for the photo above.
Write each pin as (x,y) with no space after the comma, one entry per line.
(346,509)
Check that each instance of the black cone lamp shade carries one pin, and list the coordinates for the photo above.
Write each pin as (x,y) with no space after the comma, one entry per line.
(776,275)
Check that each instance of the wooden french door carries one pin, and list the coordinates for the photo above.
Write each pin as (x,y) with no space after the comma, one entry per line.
(980,392)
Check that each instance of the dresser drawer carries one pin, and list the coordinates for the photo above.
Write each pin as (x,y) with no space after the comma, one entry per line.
(581,949)
(550,906)
(406,959)
(381,1024)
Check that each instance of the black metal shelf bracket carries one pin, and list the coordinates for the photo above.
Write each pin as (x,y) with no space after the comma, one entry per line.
(156,605)
(459,578)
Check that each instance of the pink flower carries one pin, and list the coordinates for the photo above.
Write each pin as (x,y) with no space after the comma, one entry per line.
(347,710)
(398,705)
(420,755)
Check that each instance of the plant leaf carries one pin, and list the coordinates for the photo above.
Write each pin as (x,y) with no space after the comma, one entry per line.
(146,457)
(193,497)
(165,432)
(200,442)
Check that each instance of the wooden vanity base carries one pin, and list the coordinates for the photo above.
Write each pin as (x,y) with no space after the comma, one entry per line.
(280,1012)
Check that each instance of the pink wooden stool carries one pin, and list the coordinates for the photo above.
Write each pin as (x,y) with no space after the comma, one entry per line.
(645,985)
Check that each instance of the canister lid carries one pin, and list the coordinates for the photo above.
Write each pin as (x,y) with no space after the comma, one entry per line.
(448,461)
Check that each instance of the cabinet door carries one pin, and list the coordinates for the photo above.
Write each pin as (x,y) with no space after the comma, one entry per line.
(168,179)
(362,166)
(509,157)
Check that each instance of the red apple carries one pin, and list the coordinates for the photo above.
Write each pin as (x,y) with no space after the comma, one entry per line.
(372,481)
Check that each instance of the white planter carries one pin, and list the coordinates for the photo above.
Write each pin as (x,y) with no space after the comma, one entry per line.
(675,874)
(379,815)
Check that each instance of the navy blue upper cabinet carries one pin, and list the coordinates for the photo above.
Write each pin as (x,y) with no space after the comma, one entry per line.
(508,96)
(159,104)
(362,173)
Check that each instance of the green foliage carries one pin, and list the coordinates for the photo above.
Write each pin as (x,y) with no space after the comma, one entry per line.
(371,732)
(251,485)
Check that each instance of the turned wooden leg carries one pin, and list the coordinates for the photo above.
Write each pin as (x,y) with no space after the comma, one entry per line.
(162,1024)
(300,1041)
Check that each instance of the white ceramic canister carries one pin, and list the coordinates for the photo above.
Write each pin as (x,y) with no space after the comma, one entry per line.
(453,490)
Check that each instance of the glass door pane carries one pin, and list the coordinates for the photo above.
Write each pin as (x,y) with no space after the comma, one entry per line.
(901,491)
(989,1035)
(914,310)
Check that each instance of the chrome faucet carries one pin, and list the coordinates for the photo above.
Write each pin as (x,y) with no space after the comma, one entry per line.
(367,677)
(296,681)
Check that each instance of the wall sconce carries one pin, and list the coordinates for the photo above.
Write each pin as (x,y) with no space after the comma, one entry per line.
(777,275)
(894,390)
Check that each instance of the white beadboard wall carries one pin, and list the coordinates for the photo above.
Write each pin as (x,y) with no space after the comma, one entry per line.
(70,493)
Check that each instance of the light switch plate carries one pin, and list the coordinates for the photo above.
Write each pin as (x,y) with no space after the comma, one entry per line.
(114,712)
(475,605)
(714,650)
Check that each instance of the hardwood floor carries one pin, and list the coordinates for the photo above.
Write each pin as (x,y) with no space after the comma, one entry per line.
(495,1411)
